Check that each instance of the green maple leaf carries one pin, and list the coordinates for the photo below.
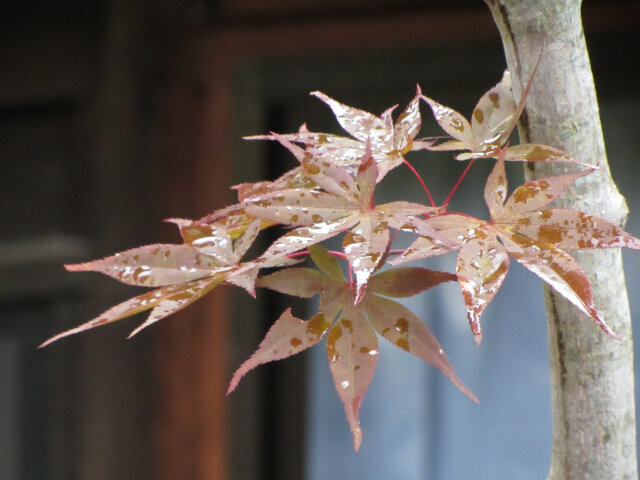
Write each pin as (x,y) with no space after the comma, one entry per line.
(351,329)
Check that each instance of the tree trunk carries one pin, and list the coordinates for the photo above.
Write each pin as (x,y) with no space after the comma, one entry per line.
(592,374)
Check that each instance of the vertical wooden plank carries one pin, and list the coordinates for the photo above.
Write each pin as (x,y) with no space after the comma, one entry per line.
(192,351)
(213,181)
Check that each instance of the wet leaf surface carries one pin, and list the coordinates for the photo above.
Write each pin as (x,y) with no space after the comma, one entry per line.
(163,302)
(348,209)
(492,121)
(351,325)
(331,192)
(522,228)
(388,140)
(186,272)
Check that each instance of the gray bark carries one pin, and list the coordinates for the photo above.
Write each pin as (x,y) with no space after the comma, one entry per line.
(591,374)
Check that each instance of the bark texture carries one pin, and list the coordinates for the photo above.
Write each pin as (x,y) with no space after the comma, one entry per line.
(592,374)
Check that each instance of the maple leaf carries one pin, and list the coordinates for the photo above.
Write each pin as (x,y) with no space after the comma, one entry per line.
(492,121)
(345,203)
(352,329)
(184,272)
(294,178)
(522,228)
(389,141)
(235,219)
(163,302)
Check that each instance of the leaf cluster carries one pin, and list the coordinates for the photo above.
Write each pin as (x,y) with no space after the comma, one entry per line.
(331,193)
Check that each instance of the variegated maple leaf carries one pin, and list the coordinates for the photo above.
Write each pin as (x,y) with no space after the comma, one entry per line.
(492,121)
(522,228)
(352,344)
(344,204)
(235,218)
(389,141)
(184,272)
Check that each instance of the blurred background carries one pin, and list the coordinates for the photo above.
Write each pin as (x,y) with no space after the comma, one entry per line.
(115,115)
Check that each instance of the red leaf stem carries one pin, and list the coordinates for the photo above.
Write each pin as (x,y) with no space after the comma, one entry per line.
(455,187)
(424,186)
